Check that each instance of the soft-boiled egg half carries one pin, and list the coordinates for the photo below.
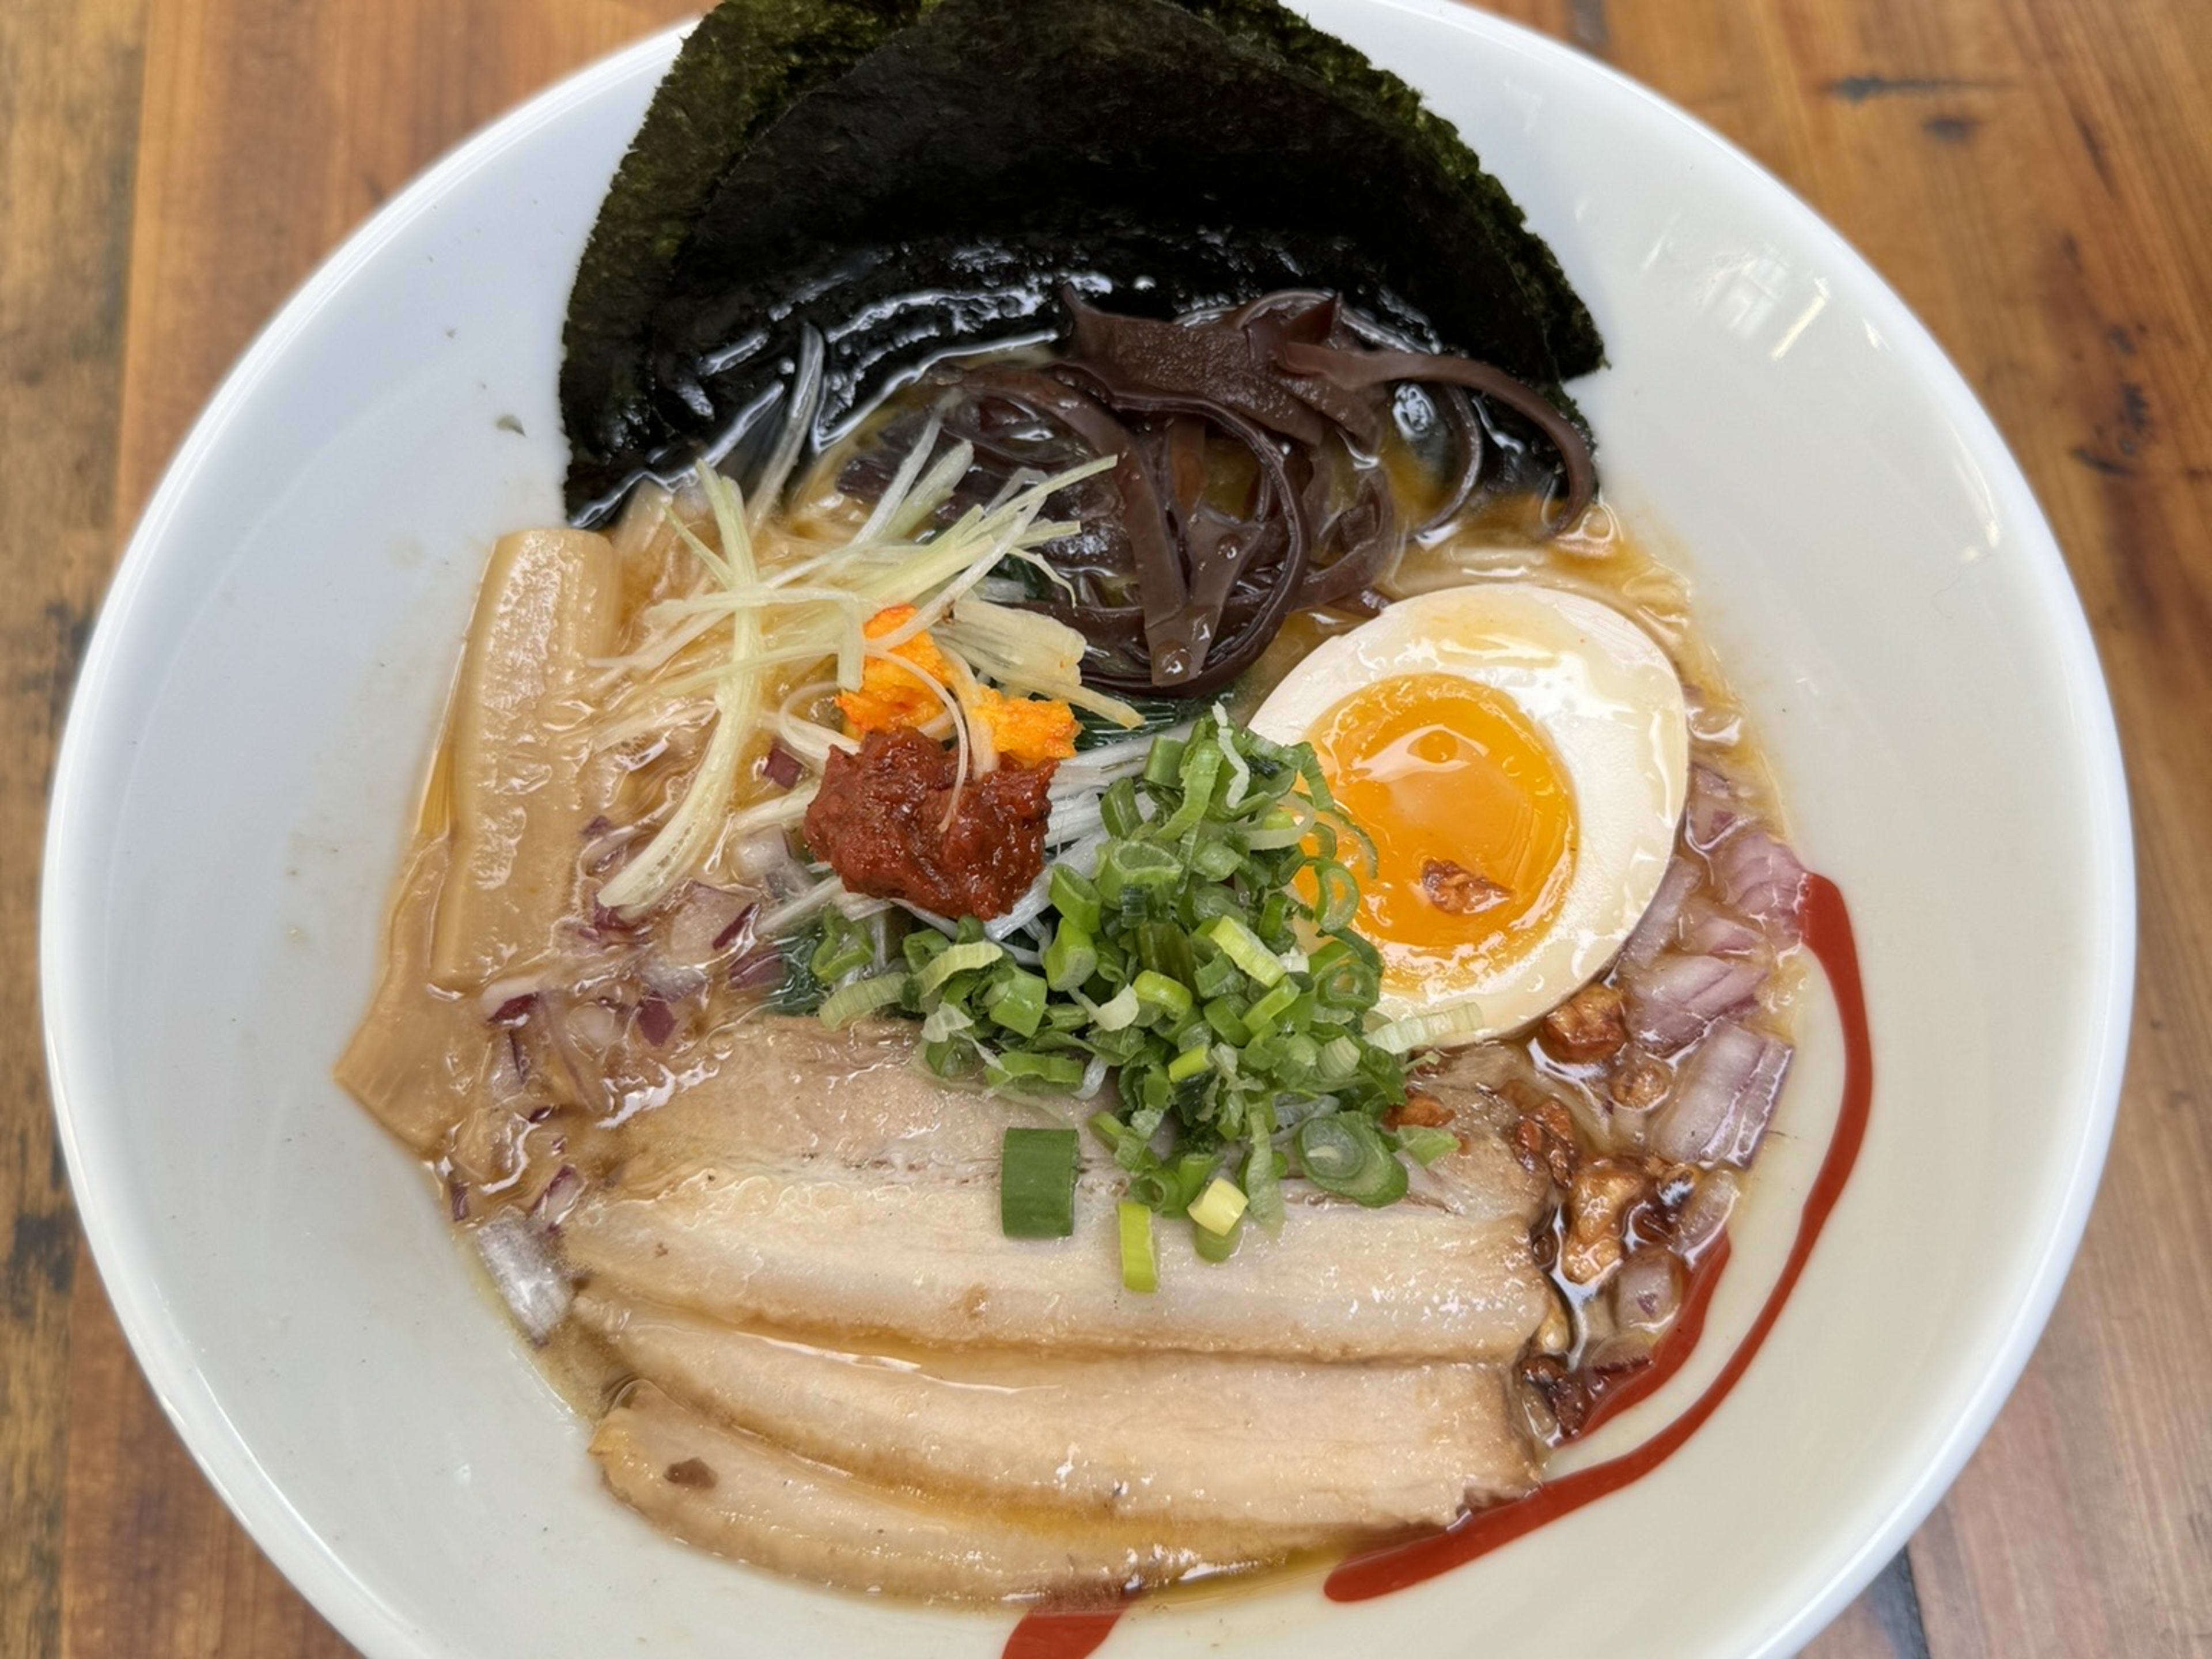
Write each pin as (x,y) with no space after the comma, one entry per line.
(1518,755)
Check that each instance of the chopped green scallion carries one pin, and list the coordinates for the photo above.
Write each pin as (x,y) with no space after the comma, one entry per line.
(1345,1156)
(1074,897)
(1055,1071)
(1219,1207)
(1017,1002)
(1159,995)
(1424,1145)
(956,959)
(1243,947)
(1036,1184)
(845,947)
(1072,958)
(861,998)
(1261,1017)
(1190,1063)
(1140,1266)
(1216,1247)
(1206,962)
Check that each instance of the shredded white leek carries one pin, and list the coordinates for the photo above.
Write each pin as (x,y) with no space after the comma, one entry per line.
(809,740)
(894,496)
(655,653)
(935,489)
(1027,653)
(805,398)
(700,818)
(792,911)
(981,739)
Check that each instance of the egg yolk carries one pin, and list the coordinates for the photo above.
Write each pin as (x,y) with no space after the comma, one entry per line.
(1472,819)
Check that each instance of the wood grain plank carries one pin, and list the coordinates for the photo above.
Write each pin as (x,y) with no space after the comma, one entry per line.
(273,129)
(69,80)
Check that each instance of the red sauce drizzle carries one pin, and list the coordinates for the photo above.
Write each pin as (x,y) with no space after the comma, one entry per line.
(1047,1633)
(1396,1566)
(1062,1632)
(1672,1349)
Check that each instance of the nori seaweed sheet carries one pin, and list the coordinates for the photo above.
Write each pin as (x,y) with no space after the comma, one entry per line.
(1569,330)
(738,69)
(1162,154)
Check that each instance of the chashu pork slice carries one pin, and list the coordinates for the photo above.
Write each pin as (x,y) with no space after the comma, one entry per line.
(741,1497)
(820,1182)
(1284,1447)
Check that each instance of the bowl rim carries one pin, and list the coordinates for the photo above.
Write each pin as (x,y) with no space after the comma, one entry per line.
(357,1610)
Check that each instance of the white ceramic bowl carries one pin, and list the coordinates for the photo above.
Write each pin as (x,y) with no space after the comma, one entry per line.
(255,714)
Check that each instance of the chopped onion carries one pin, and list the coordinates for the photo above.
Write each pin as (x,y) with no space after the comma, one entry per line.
(527,1270)
(1655,931)
(1761,876)
(1673,1000)
(508,999)
(780,767)
(558,1197)
(1723,1099)
(1706,1212)
(1714,806)
(1618,1354)
(510,1067)
(757,968)
(1709,930)
(656,1021)
(756,857)
(706,922)
(593,1024)
(1648,1292)
(666,980)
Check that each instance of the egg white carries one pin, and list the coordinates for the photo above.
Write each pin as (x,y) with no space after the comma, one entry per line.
(1608,702)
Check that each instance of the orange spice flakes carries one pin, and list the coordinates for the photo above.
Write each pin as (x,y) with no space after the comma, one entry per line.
(890,698)
(1025,730)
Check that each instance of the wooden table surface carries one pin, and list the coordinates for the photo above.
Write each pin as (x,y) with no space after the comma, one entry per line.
(2035,176)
